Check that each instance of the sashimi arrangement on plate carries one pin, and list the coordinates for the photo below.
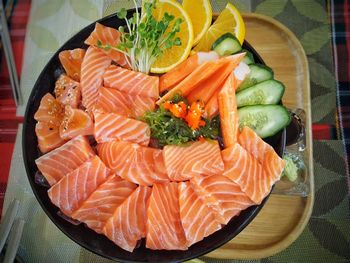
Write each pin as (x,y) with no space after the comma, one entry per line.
(155,134)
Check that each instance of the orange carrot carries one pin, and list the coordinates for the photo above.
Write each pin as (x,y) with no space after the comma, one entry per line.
(228,111)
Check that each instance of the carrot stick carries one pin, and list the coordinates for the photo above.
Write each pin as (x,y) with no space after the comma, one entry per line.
(228,111)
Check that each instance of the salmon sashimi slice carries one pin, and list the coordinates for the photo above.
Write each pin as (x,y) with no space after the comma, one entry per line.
(207,88)
(128,81)
(107,36)
(50,110)
(242,168)
(48,136)
(199,75)
(164,228)
(128,223)
(135,163)
(197,219)
(183,162)
(140,105)
(63,160)
(111,126)
(71,61)
(211,109)
(67,91)
(181,71)
(76,122)
(228,111)
(263,152)
(112,101)
(223,196)
(93,67)
(73,189)
(102,203)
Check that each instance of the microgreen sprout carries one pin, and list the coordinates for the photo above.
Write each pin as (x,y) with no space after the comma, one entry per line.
(144,38)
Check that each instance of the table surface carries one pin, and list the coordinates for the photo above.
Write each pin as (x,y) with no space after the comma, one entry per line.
(322,28)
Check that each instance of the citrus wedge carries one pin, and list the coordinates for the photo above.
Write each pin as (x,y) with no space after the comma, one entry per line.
(176,54)
(229,20)
(200,12)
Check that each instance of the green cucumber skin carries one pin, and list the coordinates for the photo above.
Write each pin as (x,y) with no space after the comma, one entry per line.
(266,92)
(258,73)
(248,58)
(227,44)
(265,120)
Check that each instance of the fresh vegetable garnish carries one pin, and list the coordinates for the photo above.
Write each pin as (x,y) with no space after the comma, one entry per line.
(175,122)
(146,38)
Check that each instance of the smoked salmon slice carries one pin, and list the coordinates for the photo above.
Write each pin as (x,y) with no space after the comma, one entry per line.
(71,61)
(181,71)
(128,81)
(48,136)
(67,91)
(223,196)
(242,168)
(128,223)
(263,152)
(102,203)
(197,219)
(63,160)
(164,228)
(107,35)
(93,67)
(75,122)
(228,111)
(73,189)
(111,126)
(184,162)
(50,110)
(135,163)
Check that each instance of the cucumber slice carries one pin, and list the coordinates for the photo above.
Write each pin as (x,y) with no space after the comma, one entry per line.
(248,58)
(258,73)
(266,92)
(265,120)
(227,44)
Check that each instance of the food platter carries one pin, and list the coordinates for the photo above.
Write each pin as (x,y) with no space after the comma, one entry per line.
(80,233)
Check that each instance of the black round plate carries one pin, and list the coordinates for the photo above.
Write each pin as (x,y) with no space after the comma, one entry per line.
(86,237)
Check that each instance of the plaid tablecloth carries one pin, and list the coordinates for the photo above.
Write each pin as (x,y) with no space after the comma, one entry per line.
(323,27)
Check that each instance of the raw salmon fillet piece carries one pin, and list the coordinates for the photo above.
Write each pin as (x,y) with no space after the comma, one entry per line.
(111,126)
(93,67)
(164,229)
(73,189)
(107,35)
(242,168)
(63,160)
(222,195)
(67,91)
(140,104)
(48,136)
(50,110)
(184,162)
(197,219)
(102,203)
(135,163)
(71,61)
(263,152)
(135,83)
(128,223)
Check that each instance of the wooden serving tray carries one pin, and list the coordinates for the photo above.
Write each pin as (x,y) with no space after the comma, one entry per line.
(284,217)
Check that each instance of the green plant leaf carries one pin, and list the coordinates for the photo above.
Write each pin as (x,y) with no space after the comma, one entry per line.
(315,39)
(311,9)
(321,75)
(330,237)
(322,105)
(85,9)
(43,38)
(271,7)
(46,9)
(329,196)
